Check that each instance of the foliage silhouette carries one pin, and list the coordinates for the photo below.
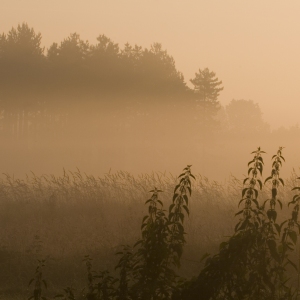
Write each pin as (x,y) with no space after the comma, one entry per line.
(251,264)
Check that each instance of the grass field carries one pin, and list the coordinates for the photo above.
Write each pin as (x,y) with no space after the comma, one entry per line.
(62,219)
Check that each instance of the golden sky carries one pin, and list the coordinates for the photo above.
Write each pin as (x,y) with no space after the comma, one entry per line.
(253,46)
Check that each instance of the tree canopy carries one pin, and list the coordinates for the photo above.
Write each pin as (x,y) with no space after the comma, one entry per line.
(207,88)
(245,116)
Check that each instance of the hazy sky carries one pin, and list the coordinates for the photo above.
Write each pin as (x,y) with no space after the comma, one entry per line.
(253,46)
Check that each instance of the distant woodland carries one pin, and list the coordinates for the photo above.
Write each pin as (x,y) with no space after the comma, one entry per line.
(77,90)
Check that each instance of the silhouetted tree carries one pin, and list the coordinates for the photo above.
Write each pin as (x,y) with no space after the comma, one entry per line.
(207,88)
(159,72)
(21,46)
(38,92)
(21,72)
(72,51)
(245,117)
(104,62)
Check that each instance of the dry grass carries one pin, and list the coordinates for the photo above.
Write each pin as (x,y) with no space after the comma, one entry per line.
(64,218)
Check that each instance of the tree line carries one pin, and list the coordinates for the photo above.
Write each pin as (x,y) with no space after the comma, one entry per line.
(39,88)
(43,91)
(75,63)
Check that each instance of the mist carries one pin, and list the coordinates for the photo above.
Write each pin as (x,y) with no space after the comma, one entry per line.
(87,129)
(101,108)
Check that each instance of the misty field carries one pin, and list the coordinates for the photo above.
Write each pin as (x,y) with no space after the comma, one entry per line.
(62,219)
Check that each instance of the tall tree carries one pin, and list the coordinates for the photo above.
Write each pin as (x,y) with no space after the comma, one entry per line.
(104,55)
(207,88)
(21,45)
(245,116)
(72,51)
(21,70)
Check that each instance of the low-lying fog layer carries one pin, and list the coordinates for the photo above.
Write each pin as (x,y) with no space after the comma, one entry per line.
(100,137)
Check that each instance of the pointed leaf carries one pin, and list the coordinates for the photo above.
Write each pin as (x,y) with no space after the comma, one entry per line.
(176,187)
(281,180)
(273,250)
(245,180)
(280,203)
(205,255)
(238,213)
(260,184)
(268,178)
(244,191)
(293,236)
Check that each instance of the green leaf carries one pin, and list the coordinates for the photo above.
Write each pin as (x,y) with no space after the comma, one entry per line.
(260,159)
(171,207)
(187,200)
(158,201)
(281,180)
(237,226)
(175,196)
(282,224)
(296,197)
(176,187)
(260,184)
(260,169)
(292,264)
(223,245)
(249,171)
(265,202)
(190,190)
(205,255)
(244,191)
(145,218)
(256,203)
(293,236)
(272,214)
(280,203)
(245,180)
(238,213)
(273,250)
(137,243)
(181,216)
(250,162)
(171,215)
(256,193)
(185,197)
(30,282)
(186,209)
(268,178)
(244,224)
(240,202)
(292,202)
(278,228)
